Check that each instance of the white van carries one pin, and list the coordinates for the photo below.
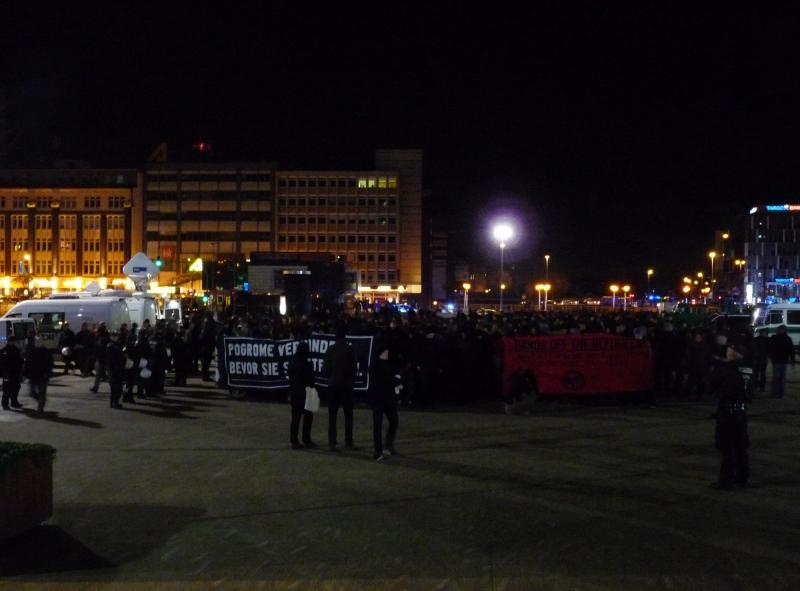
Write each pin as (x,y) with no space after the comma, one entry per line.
(49,315)
(768,318)
(141,305)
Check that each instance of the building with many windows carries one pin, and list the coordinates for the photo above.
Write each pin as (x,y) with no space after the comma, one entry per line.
(371,219)
(213,212)
(62,228)
(772,253)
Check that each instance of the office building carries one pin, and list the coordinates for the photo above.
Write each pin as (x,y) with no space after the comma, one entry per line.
(772,253)
(371,219)
(62,228)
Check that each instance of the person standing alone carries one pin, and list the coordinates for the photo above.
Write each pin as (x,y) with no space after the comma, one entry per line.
(340,367)
(730,435)
(385,392)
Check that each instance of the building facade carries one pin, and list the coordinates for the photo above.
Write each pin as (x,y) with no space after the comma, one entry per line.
(772,253)
(61,228)
(370,219)
(213,212)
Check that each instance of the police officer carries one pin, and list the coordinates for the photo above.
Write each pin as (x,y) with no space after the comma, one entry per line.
(11,363)
(115,365)
(731,439)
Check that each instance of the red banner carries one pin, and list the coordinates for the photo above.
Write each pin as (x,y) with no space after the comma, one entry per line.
(580,364)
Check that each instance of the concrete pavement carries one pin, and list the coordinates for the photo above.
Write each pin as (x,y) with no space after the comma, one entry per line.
(201,491)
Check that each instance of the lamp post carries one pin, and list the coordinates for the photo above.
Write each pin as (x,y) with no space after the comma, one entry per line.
(502,233)
(614,289)
(649,274)
(625,290)
(546,288)
(547,268)
(538,288)
(712,255)
(466,287)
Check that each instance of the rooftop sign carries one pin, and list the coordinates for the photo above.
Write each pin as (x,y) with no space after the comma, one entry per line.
(785,207)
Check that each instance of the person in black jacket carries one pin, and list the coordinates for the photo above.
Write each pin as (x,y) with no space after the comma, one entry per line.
(208,344)
(760,358)
(66,344)
(115,364)
(38,365)
(301,376)
(386,389)
(131,366)
(730,435)
(340,367)
(781,352)
(11,364)
(101,342)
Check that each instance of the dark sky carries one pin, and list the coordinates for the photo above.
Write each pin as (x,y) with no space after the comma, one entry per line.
(626,136)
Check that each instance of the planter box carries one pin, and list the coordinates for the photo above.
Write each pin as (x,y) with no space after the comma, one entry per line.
(26,490)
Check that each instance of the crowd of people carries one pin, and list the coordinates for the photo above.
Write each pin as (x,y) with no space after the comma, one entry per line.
(420,358)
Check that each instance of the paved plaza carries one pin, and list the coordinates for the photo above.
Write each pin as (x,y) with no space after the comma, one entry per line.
(201,491)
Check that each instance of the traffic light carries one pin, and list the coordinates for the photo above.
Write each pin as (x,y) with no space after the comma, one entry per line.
(159,262)
(205,298)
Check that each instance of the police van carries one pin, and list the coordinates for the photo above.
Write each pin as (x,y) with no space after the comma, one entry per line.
(767,319)
(49,315)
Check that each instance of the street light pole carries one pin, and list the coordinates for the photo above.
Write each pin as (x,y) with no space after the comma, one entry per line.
(625,290)
(547,268)
(502,250)
(712,255)
(649,274)
(502,233)
(466,287)
(614,289)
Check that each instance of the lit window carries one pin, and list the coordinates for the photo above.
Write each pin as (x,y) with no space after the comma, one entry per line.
(381,182)
(362,183)
(392,182)
(371,182)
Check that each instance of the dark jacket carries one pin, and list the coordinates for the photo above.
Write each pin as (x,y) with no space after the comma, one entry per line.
(66,339)
(115,360)
(340,365)
(38,364)
(385,378)
(11,363)
(781,348)
(301,375)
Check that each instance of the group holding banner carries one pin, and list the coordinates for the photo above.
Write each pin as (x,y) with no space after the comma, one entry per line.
(263,363)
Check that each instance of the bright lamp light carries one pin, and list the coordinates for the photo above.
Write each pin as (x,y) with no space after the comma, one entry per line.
(502,232)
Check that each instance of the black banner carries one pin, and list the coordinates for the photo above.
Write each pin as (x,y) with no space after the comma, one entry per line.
(262,363)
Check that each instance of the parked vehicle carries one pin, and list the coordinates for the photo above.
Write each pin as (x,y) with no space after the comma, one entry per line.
(49,315)
(767,318)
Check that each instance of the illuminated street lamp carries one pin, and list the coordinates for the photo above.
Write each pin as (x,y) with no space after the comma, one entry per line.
(547,267)
(546,288)
(614,289)
(686,289)
(625,290)
(466,287)
(649,274)
(712,255)
(538,288)
(502,233)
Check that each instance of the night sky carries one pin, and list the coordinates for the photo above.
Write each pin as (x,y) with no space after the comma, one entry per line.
(625,137)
